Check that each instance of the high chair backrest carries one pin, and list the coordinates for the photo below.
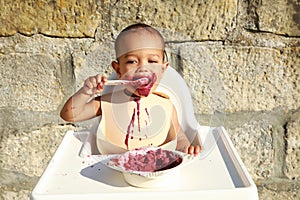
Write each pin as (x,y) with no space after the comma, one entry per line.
(175,86)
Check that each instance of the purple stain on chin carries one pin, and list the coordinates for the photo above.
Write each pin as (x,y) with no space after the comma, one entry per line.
(145,90)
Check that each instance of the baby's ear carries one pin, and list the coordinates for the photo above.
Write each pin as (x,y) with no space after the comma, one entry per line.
(116,66)
(164,67)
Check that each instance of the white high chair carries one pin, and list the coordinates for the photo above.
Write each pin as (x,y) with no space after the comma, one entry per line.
(75,172)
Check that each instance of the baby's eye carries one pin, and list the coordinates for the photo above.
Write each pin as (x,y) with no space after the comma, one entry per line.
(153,61)
(131,62)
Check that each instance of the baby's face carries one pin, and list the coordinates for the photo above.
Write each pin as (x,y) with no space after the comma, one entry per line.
(140,54)
(142,63)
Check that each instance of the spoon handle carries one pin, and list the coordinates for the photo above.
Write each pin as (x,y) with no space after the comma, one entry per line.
(117,82)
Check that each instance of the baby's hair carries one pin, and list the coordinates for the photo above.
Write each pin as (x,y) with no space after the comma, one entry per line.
(145,27)
(138,25)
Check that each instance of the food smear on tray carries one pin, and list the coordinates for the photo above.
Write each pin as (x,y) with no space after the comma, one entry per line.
(147,160)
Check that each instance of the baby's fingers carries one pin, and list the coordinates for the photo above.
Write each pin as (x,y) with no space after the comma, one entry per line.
(100,82)
(91,85)
(88,84)
(194,150)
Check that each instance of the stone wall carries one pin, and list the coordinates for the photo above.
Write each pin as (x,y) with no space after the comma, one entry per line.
(239,57)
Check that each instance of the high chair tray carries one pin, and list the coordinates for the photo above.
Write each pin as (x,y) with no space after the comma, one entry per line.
(220,175)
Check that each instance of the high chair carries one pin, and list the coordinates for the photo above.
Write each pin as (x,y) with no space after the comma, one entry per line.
(75,171)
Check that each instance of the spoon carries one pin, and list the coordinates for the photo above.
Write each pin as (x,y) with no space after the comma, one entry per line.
(136,83)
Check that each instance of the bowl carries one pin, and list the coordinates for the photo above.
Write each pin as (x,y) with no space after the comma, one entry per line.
(149,167)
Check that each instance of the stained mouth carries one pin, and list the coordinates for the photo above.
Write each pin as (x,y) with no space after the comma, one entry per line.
(145,88)
(144,83)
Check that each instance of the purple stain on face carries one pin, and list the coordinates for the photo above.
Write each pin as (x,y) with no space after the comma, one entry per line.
(145,89)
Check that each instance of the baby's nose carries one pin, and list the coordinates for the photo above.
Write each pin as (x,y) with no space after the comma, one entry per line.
(142,69)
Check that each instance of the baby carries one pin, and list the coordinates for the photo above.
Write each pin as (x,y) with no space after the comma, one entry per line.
(133,115)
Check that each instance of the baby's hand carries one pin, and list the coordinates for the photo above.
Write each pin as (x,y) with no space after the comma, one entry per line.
(194,150)
(94,84)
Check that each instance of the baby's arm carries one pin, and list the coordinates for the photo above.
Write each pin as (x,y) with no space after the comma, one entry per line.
(183,144)
(77,108)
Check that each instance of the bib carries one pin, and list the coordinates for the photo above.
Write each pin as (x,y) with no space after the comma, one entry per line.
(129,123)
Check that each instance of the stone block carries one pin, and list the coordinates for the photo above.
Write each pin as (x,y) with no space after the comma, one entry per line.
(53,18)
(254,143)
(269,194)
(279,17)
(96,60)
(243,37)
(196,64)
(29,82)
(199,19)
(40,44)
(15,185)
(37,76)
(29,152)
(10,194)
(236,78)
(258,79)
(293,147)
(278,188)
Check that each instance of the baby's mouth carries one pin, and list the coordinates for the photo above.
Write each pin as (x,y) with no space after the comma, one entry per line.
(145,83)
(145,88)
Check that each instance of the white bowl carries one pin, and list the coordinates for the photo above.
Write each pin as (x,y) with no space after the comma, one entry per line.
(149,167)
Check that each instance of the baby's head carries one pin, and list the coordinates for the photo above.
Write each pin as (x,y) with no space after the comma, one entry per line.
(140,53)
